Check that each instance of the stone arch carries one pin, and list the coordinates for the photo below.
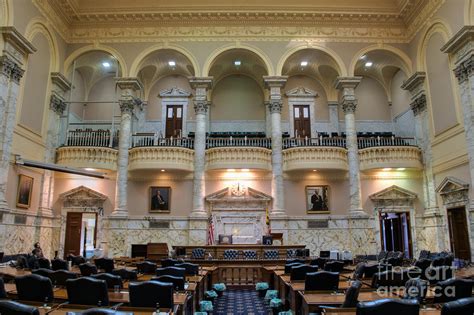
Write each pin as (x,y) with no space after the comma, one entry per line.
(83,50)
(342,68)
(6,13)
(135,68)
(438,26)
(39,26)
(406,61)
(215,54)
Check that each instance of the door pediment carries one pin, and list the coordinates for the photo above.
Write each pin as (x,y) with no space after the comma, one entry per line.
(82,197)
(393,196)
(453,190)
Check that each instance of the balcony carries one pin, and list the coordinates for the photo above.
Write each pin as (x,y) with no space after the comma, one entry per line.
(88,157)
(390,157)
(238,142)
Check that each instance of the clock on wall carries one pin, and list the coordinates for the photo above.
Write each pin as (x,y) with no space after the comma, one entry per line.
(238,190)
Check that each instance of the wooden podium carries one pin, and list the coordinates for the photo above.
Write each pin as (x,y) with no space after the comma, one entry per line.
(157,251)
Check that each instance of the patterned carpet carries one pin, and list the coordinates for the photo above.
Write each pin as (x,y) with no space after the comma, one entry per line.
(240,302)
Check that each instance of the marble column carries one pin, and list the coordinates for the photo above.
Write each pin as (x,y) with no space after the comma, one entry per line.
(461,49)
(333,116)
(415,85)
(275,104)
(349,104)
(15,50)
(201,85)
(56,109)
(128,102)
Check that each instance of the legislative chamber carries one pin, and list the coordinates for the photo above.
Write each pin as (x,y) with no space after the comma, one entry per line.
(237,158)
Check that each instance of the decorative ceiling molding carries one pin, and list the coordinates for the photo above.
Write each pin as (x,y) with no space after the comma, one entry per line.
(352,23)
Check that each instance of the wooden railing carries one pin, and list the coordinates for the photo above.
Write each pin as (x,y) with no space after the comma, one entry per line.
(238,142)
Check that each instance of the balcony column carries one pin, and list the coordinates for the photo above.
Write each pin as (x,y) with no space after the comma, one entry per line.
(275,104)
(15,50)
(461,48)
(415,85)
(128,102)
(349,105)
(201,85)
(57,106)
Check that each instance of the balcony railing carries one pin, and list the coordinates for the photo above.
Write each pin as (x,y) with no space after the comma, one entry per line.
(91,138)
(238,142)
(385,142)
(314,142)
(153,140)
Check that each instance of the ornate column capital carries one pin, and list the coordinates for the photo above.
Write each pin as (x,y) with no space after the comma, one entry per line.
(461,48)
(6,66)
(17,74)
(127,103)
(349,105)
(275,106)
(57,103)
(200,107)
(418,104)
(465,69)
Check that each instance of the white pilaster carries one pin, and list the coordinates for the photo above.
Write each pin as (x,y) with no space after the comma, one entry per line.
(201,85)
(349,105)
(275,104)
(128,102)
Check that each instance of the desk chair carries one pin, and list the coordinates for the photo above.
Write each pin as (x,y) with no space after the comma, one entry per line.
(34,288)
(87,291)
(151,293)
(388,307)
(11,307)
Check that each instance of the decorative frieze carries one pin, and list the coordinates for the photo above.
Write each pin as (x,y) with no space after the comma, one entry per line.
(308,158)
(238,157)
(95,157)
(176,158)
(392,156)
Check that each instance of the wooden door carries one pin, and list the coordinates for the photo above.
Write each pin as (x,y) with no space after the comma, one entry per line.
(72,244)
(301,121)
(174,121)
(458,233)
(395,232)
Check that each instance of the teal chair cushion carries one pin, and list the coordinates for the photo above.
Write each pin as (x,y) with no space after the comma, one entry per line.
(200,313)
(210,294)
(287,313)
(206,306)
(271,294)
(262,286)
(276,303)
(219,287)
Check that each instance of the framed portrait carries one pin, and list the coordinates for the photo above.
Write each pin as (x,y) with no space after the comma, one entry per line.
(160,198)
(317,199)
(25,189)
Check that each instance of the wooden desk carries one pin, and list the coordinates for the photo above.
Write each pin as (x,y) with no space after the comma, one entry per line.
(311,301)
(217,251)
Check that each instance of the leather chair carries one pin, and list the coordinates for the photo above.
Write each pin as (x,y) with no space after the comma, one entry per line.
(438,262)
(59,264)
(87,291)
(230,254)
(371,270)
(424,254)
(453,289)
(87,269)
(59,277)
(34,288)
(321,281)
(43,272)
(99,311)
(291,253)
(171,271)
(110,279)
(359,271)
(440,273)
(295,260)
(44,263)
(168,262)
(105,264)
(334,266)
(423,265)
(146,267)
(388,307)
(15,308)
(249,254)
(320,262)
(76,260)
(178,282)
(416,289)
(3,293)
(289,266)
(270,254)
(352,295)
(151,293)
(463,306)
(190,269)
(299,272)
(382,255)
(198,253)
(125,274)
(448,260)
(388,279)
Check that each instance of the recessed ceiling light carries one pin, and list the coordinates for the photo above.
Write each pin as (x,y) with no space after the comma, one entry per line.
(90,169)
(369,64)
(400,169)
(230,170)
(387,169)
(315,170)
(237,63)
(172,63)
(304,63)
(106,64)
(162,170)
(245,170)
(363,57)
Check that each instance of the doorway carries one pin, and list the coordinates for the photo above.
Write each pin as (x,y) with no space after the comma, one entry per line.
(458,233)
(302,121)
(395,232)
(81,234)
(174,121)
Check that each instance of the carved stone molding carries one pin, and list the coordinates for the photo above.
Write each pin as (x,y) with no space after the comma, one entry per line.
(83,197)
(16,45)
(57,103)
(200,107)
(6,66)
(174,92)
(60,82)
(393,157)
(238,157)
(95,157)
(465,69)
(131,84)
(453,191)
(309,158)
(393,196)
(415,83)
(418,104)
(17,74)
(301,92)
(144,158)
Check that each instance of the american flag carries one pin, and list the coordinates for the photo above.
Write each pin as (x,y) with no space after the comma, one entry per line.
(210,231)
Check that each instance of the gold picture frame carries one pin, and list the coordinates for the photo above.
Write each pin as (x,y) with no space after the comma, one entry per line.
(24,191)
(160,199)
(317,199)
